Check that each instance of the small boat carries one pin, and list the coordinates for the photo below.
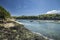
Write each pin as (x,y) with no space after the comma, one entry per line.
(31,21)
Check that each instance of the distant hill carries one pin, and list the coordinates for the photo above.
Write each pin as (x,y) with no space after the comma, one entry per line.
(53,16)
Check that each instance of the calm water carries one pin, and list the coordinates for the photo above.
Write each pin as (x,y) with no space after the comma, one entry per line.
(47,28)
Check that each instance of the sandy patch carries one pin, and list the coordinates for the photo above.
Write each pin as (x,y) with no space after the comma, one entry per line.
(7,25)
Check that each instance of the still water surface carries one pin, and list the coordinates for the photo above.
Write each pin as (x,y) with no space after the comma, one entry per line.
(49,28)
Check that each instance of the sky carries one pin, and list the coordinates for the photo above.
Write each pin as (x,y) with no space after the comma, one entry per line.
(30,7)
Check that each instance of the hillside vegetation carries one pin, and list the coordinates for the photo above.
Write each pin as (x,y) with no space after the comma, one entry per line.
(41,17)
(4,14)
(50,17)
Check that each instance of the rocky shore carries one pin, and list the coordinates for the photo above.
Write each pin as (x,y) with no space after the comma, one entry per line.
(15,31)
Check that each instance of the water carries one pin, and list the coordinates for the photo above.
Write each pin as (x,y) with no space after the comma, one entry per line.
(50,29)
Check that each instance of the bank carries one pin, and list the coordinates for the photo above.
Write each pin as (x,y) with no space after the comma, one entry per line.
(18,32)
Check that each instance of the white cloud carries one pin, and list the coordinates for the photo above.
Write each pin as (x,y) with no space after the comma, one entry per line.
(53,12)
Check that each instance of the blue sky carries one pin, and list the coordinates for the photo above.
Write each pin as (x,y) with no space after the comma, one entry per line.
(30,7)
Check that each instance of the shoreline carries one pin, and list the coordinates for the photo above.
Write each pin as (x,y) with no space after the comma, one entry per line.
(18,22)
(36,32)
(43,36)
(36,19)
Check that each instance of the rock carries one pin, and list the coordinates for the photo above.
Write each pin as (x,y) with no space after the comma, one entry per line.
(18,32)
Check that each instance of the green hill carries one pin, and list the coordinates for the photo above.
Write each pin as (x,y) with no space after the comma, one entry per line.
(50,16)
(4,14)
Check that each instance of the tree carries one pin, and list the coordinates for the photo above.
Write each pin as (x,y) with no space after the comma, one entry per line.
(4,14)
